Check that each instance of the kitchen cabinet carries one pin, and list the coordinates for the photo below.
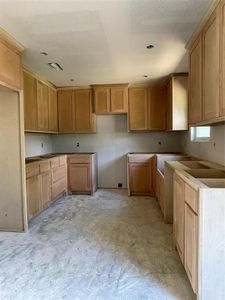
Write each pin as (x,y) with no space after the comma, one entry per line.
(178,222)
(45,179)
(42,106)
(160,189)
(157,108)
(211,83)
(222,58)
(141,171)
(138,109)
(111,99)
(59,176)
(177,103)
(30,101)
(53,110)
(195,82)
(82,174)
(33,196)
(75,111)
(10,61)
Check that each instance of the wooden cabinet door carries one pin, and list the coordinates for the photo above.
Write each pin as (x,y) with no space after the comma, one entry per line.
(191,246)
(30,101)
(102,100)
(140,178)
(119,100)
(42,106)
(157,108)
(10,62)
(79,177)
(138,109)
(195,83)
(45,179)
(33,196)
(53,110)
(169,106)
(211,68)
(65,111)
(178,207)
(84,118)
(222,58)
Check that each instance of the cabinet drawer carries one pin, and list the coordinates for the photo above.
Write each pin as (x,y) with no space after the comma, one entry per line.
(79,159)
(59,187)
(63,160)
(45,166)
(32,170)
(55,162)
(140,158)
(58,173)
(191,198)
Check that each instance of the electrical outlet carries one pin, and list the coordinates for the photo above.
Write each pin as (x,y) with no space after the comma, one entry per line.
(160,143)
(42,145)
(78,144)
(120,185)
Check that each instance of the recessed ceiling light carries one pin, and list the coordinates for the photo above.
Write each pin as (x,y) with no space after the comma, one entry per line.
(55,66)
(44,53)
(150,46)
(145,76)
(71,79)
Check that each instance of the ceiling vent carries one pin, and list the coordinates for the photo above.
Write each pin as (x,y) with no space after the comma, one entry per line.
(55,66)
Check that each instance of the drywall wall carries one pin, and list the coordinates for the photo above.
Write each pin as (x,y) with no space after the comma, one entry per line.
(214,150)
(112,142)
(36,144)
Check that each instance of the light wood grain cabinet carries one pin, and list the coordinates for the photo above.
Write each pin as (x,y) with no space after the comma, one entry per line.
(111,99)
(211,82)
(178,206)
(53,110)
(42,106)
(157,108)
(222,58)
(82,175)
(45,195)
(75,111)
(177,103)
(33,195)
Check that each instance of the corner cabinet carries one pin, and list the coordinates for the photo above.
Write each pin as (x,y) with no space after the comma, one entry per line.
(75,111)
(111,99)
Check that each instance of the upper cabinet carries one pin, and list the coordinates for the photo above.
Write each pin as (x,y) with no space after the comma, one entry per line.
(40,105)
(177,103)
(111,99)
(75,111)
(10,61)
(146,108)
(207,64)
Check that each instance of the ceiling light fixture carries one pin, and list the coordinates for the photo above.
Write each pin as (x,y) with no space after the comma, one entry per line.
(71,79)
(55,66)
(145,76)
(150,46)
(44,53)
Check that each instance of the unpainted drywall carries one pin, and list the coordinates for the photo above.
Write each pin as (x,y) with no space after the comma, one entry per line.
(37,144)
(112,143)
(213,150)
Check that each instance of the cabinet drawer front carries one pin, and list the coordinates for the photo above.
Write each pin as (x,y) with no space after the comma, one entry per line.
(191,198)
(62,160)
(45,166)
(55,162)
(59,187)
(58,173)
(79,159)
(142,158)
(32,170)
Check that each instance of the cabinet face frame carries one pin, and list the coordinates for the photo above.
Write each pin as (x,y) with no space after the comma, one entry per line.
(53,110)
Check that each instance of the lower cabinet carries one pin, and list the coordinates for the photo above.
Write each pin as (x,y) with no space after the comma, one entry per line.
(82,173)
(33,196)
(160,189)
(45,179)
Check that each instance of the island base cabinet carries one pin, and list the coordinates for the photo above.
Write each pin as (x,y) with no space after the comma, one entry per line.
(33,196)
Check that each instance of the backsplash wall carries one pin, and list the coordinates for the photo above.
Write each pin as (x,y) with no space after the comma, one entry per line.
(34,143)
(112,142)
(214,150)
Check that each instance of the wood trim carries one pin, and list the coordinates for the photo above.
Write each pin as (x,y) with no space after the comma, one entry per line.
(10,41)
(39,77)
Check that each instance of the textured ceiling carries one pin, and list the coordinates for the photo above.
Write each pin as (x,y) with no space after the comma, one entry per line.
(103,41)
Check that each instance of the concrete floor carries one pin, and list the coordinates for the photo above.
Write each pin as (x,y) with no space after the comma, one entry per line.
(106,247)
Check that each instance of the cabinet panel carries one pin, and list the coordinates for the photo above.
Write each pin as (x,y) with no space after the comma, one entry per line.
(191,246)
(10,62)
(53,111)
(79,177)
(102,100)
(178,206)
(211,68)
(222,58)
(140,178)
(45,189)
(195,83)
(33,196)
(42,106)
(169,106)
(157,108)
(30,101)
(65,111)
(84,117)
(119,99)
(138,109)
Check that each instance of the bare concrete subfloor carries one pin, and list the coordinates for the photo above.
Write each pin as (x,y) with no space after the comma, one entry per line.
(105,247)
